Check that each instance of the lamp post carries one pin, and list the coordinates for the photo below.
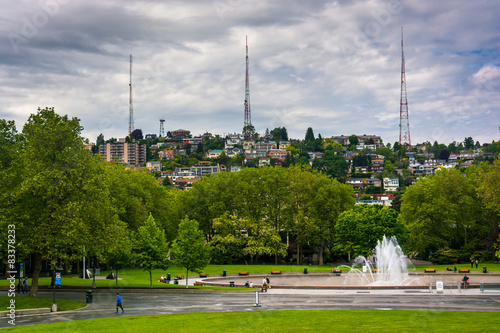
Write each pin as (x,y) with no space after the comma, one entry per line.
(93,274)
(54,305)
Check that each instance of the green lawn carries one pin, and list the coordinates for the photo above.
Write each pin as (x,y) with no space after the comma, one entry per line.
(286,321)
(23,302)
(136,277)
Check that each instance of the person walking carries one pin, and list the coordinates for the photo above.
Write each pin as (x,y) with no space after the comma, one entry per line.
(119,303)
(25,284)
(477,262)
(20,286)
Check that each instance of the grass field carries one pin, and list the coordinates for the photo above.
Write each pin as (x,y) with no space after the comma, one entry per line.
(35,303)
(136,277)
(285,321)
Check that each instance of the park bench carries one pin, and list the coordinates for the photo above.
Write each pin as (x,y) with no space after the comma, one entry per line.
(243,273)
(203,275)
(179,277)
(198,284)
(464,270)
(275,272)
(375,270)
(336,271)
(430,270)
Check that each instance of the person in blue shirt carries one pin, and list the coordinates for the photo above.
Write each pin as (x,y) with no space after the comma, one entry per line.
(119,303)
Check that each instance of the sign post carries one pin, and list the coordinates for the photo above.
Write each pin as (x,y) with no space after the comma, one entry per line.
(439,287)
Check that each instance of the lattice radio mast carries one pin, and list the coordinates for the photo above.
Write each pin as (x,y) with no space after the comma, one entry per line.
(248,115)
(131,106)
(404,122)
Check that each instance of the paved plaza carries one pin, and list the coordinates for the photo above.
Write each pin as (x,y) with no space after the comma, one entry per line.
(169,301)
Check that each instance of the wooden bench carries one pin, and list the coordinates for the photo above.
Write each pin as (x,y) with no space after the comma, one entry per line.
(464,270)
(198,284)
(430,270)
(275,272)
(375,270)
(203,275)
(336,271)
(179,277)
(243,273)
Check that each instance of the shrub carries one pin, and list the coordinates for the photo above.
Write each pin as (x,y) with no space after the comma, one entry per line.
(445,257)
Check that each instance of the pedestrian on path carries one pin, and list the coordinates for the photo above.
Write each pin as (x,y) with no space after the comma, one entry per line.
(119,303)
(25,284)
(477,262)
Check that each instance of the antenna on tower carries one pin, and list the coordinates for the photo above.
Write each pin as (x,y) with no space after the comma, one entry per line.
(248,129)
(404,122)
(248,115)
(131,106)
(162,133)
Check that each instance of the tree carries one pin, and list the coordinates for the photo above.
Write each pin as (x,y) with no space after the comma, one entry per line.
(359,229)
(58,201)
(151,248)
(309,136)
(468,143)
(444,154)
(444,211)
(119,253)
(136,135)
(353,140)
(189,248)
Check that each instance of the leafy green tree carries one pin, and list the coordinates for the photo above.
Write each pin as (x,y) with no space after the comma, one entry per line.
(118,254)
(469,143)
(189,248)
(151,248)
(493,148)
(353,140)
(443,210)
(58,201)
(359,229)
(8,143)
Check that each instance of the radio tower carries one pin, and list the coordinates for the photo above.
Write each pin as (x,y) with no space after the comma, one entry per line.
(248,129)
(162,133)
(404,122)
(131,106)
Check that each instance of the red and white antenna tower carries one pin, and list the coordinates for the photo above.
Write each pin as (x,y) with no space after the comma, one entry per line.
(248,114)
(131,106)
(404,122)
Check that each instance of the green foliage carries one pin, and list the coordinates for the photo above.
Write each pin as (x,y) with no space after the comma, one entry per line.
(446,257)
(353,140)
(151,247)
(365,197)
(58,195)
(189,248)
(309,138)
(445,211)
(493,148)
(359,229)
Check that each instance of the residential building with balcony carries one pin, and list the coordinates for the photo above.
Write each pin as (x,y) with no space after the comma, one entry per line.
(128,153)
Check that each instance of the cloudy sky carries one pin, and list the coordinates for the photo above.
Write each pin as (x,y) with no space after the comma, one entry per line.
(334,66)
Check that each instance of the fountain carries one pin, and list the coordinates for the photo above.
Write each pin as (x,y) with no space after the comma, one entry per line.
(390,267)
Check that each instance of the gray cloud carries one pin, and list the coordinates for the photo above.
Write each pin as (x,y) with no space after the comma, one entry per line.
(331,65)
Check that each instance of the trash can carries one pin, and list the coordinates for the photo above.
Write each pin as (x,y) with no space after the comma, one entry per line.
(305,270)
(88,296)
(168,277)
(484,269)
(224,273)
(231,283)
(176,281)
